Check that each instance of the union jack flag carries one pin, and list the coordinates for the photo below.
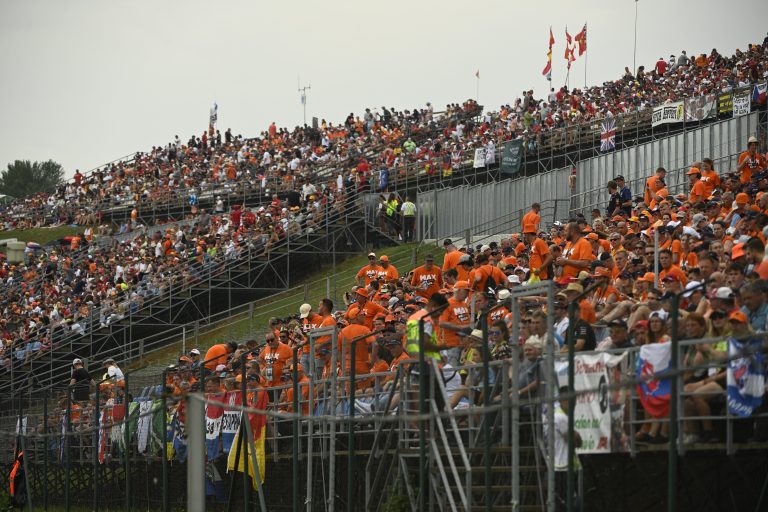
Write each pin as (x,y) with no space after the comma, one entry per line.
(607,135)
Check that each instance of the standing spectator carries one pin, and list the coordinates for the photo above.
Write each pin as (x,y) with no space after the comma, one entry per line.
(452,255)
(654,184)
(532,219)
(408,211)
(577,255)
(81,382)
(114,373)
(626,195)
(697,186)
(750,161)
(427,279)
(368,272)
(614,201)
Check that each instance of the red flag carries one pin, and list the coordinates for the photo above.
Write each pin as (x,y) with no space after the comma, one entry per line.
(581,38)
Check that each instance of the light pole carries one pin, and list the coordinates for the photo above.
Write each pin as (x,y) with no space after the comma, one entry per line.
(303,91)
(634,55)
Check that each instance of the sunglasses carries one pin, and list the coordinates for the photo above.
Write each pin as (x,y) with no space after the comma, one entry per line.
(494,333)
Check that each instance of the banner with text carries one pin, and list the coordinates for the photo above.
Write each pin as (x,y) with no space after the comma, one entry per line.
(667,113)
(741,103)
(479,158)
(512,157)
(725,103)
(599,414)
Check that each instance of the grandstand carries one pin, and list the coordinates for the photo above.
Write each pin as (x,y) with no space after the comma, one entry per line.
(592,312)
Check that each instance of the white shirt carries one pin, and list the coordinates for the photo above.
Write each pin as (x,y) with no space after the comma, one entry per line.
(115,373)
(561,327)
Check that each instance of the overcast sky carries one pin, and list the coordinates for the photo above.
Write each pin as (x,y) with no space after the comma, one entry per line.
(87,82)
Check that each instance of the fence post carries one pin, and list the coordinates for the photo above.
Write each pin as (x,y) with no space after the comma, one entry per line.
(196,453)
(97,422)
(45,451)
(127,441)
(164,452)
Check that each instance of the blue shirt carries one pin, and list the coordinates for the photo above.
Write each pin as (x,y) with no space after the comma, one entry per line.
(759,318)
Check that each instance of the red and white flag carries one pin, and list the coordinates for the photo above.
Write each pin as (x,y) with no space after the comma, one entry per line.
(581,38)
(548,68)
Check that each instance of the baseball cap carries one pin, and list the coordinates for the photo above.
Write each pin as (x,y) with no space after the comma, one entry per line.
(640,324)
(619,177)
(723,292)
(77,361)
(447,242)
(694,170)
(648,277)
(737,251)
(465,259)
(304,310)
(602,272)
(617,323)
(738,316)
(690,286)
(742,198)
(371,254)
(221,368)
(361,292)
(461,285)
(592,236)
(485,248)
(504,294)
(194,351)
(384,257)
(513,279)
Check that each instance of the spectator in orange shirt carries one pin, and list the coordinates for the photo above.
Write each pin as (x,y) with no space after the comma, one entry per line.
(454,319)
(710,178)
(698,190)
(669,268)
(427,279)
(452,255)
(369,272)
(577,255)
(750,161)
(479,277)
(388,271)
(654,184)
(367,309)
(539,257)
(217,355)
(273,358)
(355,330)
(532,219)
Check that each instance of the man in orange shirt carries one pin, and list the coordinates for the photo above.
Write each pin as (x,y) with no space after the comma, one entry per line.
(324,309)
(750,161)
(698,189)
(577,255)
(218,354)
(669,268)
(273,358)
(287,401)
(452,255)
(367,309)
(369,272)
(540,258)
(309,320)
(532,219)
(388,271)
(479,277)
(427,279)
(654,184)
(454,319)
(360,357)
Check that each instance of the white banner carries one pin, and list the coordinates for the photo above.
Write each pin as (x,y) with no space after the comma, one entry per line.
(667,113)
(741,103)
(479,158)
(599,412)
(701,107)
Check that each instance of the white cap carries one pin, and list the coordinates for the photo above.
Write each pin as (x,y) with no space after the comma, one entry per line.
(513,279)
(673,223)
(371,254)
(221,368)
(304,310)
(724,293)
(194,351)
(690,286)
(503,294)
(484,248)
(687,230)
(77,361)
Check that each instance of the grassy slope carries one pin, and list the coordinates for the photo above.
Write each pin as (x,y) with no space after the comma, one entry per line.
(41,235)
(288,302)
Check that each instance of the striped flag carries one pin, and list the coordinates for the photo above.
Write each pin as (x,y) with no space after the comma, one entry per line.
(258,424)
(746,376)
(654,393)
(548,68)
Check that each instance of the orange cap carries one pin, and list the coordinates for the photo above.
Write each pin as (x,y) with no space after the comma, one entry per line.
(742,198)
(694,170)
(737,251)
(384,257)
(648,277)
(461,285)
(602,272)
(592,236)
(361,292)
(738,316)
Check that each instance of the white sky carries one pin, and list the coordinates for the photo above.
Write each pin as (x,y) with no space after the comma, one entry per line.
(86,82)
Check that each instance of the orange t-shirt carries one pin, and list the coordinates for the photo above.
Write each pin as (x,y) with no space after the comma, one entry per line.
(655,185)
(388,274)
(457,312)
(757,165)
(276,360)
(582,251)
(369,311)
(587,311)
(698,192)
(369,272)
(361,356)
(538,253)
(215,356)
(451,260)
(428,281)
(711,181)
(531,220)
(676,271)
(479,277)
(327,321)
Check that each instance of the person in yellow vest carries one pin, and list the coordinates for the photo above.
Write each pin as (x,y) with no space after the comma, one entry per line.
(408,211)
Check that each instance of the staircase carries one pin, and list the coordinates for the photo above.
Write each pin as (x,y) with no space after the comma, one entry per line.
(456,461)
(209,294)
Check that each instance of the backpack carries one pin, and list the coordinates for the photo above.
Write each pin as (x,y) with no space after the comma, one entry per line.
(17,483)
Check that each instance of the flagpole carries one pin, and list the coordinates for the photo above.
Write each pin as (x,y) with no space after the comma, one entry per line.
(586,57)
(477,89)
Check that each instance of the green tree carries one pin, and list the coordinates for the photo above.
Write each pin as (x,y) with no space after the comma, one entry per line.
(24,178)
